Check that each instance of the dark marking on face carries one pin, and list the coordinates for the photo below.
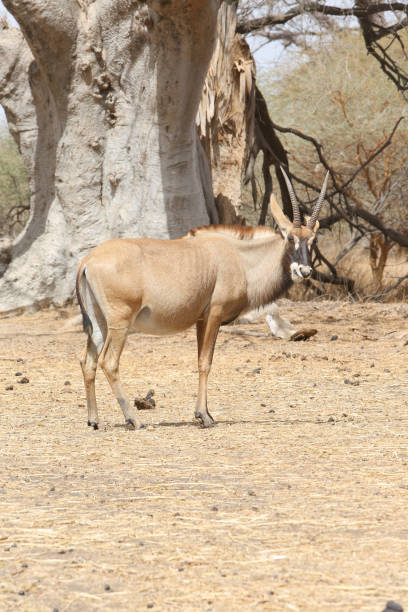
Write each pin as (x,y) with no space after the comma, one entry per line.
(300,251)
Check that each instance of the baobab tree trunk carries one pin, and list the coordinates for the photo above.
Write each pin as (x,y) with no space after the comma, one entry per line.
(102,98)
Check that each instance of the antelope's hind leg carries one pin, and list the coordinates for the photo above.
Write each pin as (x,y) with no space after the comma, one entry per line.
(89,364)
(110,357)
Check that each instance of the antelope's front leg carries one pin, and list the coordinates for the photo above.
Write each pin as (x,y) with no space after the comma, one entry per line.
(207,331)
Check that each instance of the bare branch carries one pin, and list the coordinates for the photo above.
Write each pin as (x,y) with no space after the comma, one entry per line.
(374,155)
(270,20)
(389,289)
(349,247)
(376,222)
(343,281)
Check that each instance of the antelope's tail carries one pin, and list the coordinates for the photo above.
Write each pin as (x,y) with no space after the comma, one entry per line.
(80,286)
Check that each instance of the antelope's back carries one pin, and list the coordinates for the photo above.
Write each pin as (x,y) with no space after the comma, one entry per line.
(166,275)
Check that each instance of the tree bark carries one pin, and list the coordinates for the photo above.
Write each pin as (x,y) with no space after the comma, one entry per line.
(102,98)
(226,113)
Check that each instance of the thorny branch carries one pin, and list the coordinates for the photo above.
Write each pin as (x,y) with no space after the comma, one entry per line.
(344,212)
(274,153)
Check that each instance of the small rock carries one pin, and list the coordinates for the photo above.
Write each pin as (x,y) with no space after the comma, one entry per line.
(19,360)
(354,383)
(252,493)
(334,337)
(66,383)
(107,587)
(330,420)
(149,605)
(23,380)
(303,358)
(24,565)
(393,606)
(9,388)
(271,410)
(214,508)
(256,371)
(22,592)
(18,374)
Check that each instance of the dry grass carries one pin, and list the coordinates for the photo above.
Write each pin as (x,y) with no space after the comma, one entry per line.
(296,500)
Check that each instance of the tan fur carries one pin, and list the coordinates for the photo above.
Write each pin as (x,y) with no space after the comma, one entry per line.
(207,278)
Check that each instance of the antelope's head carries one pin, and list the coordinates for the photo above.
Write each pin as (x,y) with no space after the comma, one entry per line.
(299,238)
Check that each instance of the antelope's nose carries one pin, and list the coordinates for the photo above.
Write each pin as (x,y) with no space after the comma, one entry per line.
(305,271)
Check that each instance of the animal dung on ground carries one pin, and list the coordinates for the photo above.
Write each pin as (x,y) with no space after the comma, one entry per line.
(303,334)
(146,403)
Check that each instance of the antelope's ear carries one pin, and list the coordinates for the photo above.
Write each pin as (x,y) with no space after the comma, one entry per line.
(314,229)
(284,224)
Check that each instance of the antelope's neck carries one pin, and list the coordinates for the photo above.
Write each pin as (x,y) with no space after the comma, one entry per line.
(267,268)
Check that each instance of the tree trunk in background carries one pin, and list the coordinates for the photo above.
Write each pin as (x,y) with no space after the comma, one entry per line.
(102,99)
(226,113)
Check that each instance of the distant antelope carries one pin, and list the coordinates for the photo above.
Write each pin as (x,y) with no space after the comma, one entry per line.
(208,278)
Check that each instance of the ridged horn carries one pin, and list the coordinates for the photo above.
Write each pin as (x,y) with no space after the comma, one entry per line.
(319,203)
(295,206)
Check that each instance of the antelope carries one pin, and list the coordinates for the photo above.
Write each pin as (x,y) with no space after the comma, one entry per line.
(207,278)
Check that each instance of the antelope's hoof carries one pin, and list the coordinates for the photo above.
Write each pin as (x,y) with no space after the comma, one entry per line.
(133,424)
(93,424)
(206,421)
(208,424)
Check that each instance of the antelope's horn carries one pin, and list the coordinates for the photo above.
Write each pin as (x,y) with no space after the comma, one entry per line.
(295,206)
(318,205)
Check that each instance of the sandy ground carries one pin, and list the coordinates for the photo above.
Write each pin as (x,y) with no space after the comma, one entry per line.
(296,500)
